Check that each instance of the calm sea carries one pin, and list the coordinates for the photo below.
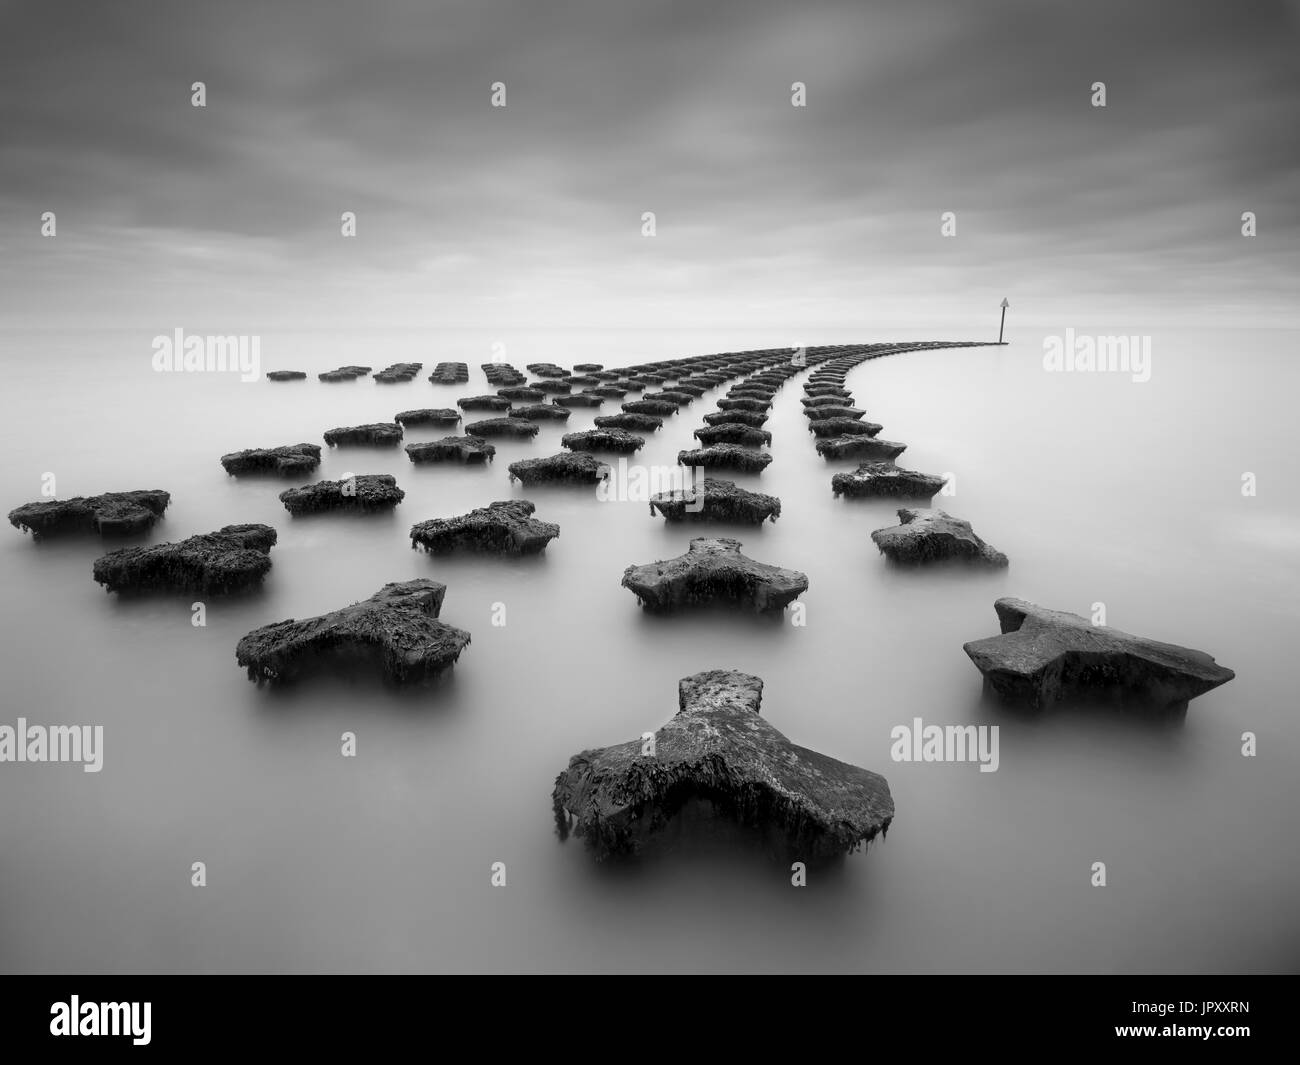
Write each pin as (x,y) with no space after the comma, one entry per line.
(1100,489)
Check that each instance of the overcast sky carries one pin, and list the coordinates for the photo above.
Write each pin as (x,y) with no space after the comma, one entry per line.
(530,215)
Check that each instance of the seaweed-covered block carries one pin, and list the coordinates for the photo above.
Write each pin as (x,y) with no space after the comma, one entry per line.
(427,416)
(551,386)
(506,528)
(483,403)
(885,480)
(617,440)
(1048,656)
(579,399)
(753,418)
(344,373)
(542,412)
(110,514)
(470,450)
(645,422)
(395,632)
(449,373)
(733,433)
(725,457)
(379,434)
(659,407)
(933,536)
(567,467)
(231,559)
(716,500)
(821,414)
(714,570)
(521,394)
(363,492)
(289,459)
(503,427)
(398,372)
(719,751)
(745,403)
(859,447)
(842,427)
(680,399)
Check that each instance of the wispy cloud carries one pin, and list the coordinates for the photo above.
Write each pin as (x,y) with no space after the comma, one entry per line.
(531,214)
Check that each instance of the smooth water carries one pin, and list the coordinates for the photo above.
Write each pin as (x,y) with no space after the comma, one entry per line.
(1100,489)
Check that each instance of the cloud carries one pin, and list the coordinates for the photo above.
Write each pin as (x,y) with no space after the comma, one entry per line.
(532,214)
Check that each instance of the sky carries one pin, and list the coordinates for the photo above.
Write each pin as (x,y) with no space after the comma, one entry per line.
(531,215)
